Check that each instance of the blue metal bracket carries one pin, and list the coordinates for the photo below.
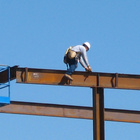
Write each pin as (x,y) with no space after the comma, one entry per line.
(5,99)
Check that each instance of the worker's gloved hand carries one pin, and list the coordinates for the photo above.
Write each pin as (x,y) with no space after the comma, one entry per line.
(88,69)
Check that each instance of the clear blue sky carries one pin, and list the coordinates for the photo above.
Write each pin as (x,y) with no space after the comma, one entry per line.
(36,33)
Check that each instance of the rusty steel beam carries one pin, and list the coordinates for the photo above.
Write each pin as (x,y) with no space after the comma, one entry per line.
(41,109)
(4,74)
(79,112)
(98,114)
(84,79)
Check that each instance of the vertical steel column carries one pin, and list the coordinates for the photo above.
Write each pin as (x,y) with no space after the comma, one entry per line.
(98,114)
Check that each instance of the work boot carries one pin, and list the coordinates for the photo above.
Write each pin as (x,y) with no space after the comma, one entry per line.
(69,77)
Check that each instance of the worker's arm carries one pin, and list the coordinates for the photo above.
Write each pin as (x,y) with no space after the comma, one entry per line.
(84,56)
(88,68)
(82,62)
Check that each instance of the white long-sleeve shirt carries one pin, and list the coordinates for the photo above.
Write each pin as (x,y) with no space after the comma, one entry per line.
(81,54)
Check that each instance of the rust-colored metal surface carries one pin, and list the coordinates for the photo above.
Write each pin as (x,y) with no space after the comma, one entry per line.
(98,113)
(4,74)
(42,109)
(97,81)
(84,79)
(129,116)
(78,112)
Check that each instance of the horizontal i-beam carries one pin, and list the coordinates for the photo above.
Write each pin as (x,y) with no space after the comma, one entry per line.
(78,112)
(85,79)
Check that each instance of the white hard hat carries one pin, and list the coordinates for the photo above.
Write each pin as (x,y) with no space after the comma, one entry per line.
(87,44)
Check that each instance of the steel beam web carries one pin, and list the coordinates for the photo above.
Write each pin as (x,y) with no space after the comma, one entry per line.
(79,112)
(84,79)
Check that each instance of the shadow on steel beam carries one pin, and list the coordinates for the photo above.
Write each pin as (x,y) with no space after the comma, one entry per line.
(64,81)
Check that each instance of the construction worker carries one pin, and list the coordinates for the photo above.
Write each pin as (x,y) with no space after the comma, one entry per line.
(74,55)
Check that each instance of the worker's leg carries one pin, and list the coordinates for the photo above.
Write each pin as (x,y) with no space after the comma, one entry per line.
(71,69)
